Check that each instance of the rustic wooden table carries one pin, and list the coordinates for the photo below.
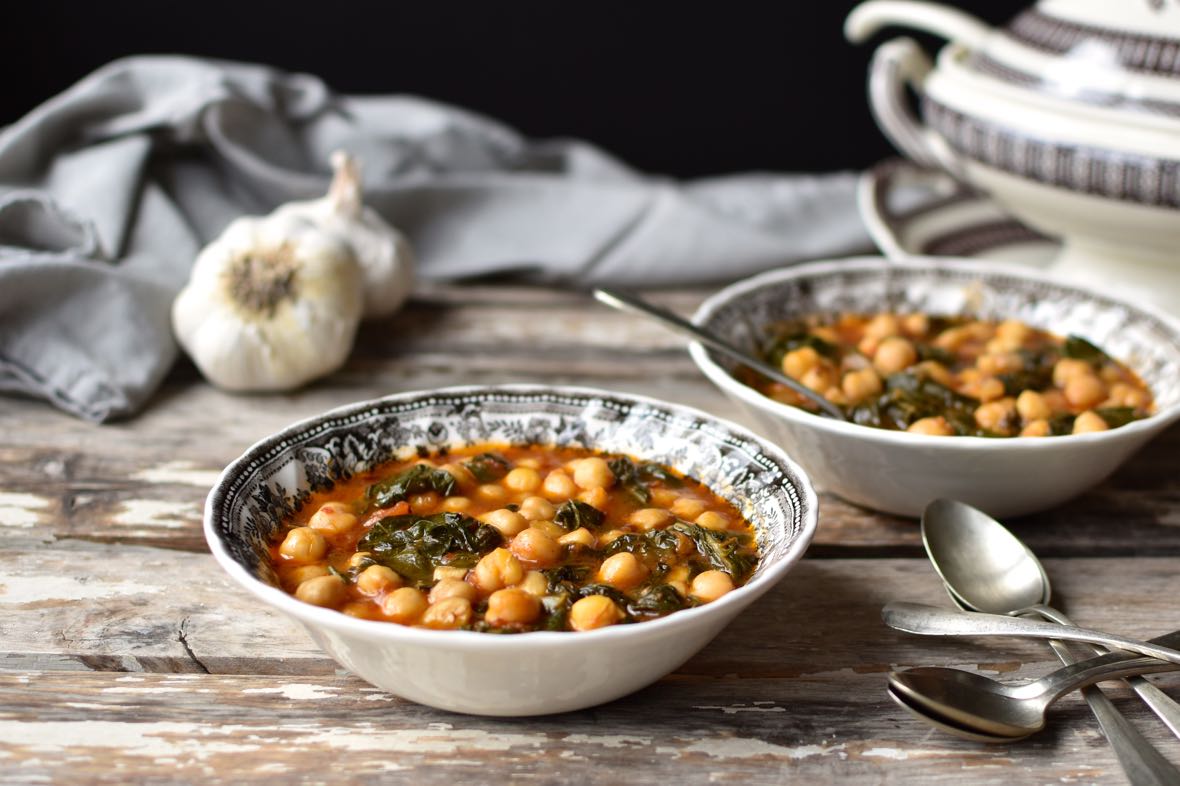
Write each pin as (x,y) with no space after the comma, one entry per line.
(128,657)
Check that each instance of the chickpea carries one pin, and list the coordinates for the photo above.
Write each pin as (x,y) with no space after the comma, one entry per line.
(681,587)
(535,583)
(305,572)
(455,504)
(361,609)
(663,498)
(895,354)
(550,528)
(529,462)
(537,509)
(303,544)
(935,427)
(711,585)
(424,503)
(508,522)
(594,611)
(799,361)
(861,384)
(451,588)
(1012,332)
(580,537)
(321,591)
(1084,391)
(1089,422)
(1110,373)
(593,473)
(1002,363)
(1056,400)
(405,605)
(952,338)
(915,325)
(609,537)
(868,345)
(493,493)
(1032,406)
(990,389)
(449,572)
(622,571)
(448,614)
(684,545)
(1036,428)
(559,486)
(534,546)
(678,573)
(512,607)
(332,519)
(650,518)
(835,395)
(826,334)
(376,579)
(998,416)
(462,475)
(688,507)
(883,326)
(819,378)
(498,569)
(595,498)
(358,558)
(523,479)
(1066,369)
(1124,395)
(711,519)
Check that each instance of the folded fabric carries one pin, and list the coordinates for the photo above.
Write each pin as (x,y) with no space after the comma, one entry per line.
(108,190)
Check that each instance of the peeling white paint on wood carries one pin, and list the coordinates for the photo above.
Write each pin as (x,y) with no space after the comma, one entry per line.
(17,589)
(757,706)
(299,691)
(156,513)
(181,473)
(22,510)
(747,748)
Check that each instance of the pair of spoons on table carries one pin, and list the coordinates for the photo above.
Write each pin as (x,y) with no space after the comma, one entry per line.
(988,570)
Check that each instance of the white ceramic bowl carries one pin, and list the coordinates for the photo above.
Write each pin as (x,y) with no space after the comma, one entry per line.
(529,673)
(900,473)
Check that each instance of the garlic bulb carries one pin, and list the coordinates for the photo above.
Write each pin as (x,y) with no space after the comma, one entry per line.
(271,304)
(384,254)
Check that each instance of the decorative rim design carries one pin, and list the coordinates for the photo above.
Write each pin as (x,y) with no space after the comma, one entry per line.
(985,64)
(249,498)
(1124,177)
(1143,53)
(783,293)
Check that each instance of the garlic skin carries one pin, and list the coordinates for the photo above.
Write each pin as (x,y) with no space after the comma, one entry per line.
(271,304)
(385,256)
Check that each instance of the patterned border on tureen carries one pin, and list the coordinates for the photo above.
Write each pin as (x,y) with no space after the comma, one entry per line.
(1144,53)
(275,477)
(1120,176)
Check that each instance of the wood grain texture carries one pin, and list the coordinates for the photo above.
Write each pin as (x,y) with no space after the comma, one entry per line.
(127,657)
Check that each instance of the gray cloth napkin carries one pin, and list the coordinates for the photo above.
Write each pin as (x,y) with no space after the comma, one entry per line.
(108,190)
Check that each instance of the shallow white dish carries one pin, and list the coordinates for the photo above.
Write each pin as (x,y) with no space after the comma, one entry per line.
(528,673)
(899,472)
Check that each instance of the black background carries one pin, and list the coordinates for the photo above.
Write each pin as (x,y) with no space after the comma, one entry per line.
(677,88)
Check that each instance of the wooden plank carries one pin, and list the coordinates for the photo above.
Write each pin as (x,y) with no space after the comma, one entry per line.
(107,728)
(143,481)
(107,607)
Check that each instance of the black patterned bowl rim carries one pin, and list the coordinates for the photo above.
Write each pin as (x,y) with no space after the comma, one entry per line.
(985,270)
(267,448)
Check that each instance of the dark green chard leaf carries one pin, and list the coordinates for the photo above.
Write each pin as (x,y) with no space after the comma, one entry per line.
(794,337)
(1080,349)
(652,472)
(487,467)
(937,354)
(415,545)
(909,397)
(557,611)
(418,479)
(342,576)
(650,547)
(627,476)
(1062,424)
(1117,416)
(615,595)
(722,550)
(566,579)
(573,514)
(657,601)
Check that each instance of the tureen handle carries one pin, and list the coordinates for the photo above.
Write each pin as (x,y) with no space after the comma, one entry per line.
(950,23)
(896,65)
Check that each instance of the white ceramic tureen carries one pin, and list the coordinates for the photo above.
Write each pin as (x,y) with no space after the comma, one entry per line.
(1069,116)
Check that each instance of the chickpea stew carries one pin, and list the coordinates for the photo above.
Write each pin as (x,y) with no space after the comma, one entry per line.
(507,539)
(949,376)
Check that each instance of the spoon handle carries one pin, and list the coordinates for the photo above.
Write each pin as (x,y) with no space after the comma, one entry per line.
(1140,760)
(934,621)
(625,302)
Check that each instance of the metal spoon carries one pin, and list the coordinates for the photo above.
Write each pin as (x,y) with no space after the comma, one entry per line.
(632,304)
(987,568)
(982,705)
(928,620)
